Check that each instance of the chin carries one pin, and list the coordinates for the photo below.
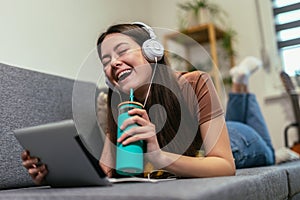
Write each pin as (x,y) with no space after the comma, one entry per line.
(126,88)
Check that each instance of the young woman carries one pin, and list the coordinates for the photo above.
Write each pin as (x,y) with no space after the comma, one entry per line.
(188,117)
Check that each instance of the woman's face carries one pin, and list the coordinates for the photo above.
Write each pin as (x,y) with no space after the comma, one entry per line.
(123,62)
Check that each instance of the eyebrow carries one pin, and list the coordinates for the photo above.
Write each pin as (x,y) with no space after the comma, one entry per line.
(115,48)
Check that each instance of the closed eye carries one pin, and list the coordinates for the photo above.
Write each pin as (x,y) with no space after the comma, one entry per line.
(120,49)
(105,61)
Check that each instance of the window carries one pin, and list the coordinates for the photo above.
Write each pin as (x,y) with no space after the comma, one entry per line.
(287,26)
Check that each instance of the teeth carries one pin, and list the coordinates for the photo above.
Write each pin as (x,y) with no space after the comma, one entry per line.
(123,72)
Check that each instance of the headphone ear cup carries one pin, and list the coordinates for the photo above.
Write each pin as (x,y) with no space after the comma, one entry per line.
(153,49)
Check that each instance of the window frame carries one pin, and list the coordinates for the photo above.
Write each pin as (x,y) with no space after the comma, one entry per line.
(289,43)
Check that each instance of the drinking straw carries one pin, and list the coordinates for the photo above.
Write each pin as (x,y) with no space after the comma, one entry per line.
(131,94)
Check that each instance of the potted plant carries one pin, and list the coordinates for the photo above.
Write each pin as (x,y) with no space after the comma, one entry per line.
(200,11)
(227,41)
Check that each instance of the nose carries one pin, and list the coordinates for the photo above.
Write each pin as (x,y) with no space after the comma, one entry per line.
(115,62)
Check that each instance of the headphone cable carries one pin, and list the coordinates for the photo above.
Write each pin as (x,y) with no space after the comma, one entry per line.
(148,92)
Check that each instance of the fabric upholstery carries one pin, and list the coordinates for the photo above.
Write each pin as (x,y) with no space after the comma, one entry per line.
(31,98)
(253,183)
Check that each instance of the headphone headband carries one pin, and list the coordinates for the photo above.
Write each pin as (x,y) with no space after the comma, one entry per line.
(147,28)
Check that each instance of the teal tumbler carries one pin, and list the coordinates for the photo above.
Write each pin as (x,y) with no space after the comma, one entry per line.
(130,159)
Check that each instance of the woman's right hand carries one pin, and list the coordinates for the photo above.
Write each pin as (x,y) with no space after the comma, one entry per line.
(36,170)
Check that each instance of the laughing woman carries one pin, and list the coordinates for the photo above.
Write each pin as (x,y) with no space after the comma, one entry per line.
(182,112)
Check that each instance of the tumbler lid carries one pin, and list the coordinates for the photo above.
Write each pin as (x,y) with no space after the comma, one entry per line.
(131,103)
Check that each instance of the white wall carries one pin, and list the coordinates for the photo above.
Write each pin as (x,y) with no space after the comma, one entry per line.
(57,36)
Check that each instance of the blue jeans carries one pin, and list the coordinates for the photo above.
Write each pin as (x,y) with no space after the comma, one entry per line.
(249,136)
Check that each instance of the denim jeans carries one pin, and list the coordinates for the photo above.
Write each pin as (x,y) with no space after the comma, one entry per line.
(249,136)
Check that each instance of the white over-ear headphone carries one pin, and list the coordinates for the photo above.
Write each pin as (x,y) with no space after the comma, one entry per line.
(152,49)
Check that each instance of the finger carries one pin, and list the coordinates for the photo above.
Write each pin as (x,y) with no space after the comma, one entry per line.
(140,112)
(136,119)
(137,133)
(137,137)
(38,180)
(134,130)
(25,155)
(33,171)
(40,176)
(30,163)
(124,136)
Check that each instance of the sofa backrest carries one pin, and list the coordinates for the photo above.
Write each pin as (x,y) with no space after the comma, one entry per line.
(30,98)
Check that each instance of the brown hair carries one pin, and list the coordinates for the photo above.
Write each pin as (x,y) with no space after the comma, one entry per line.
(165,91)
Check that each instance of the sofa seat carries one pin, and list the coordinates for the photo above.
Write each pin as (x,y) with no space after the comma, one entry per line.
(252,183)
(31,98)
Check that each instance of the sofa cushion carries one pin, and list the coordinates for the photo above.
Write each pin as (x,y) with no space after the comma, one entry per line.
(30,98)
(252,183)
(293,174)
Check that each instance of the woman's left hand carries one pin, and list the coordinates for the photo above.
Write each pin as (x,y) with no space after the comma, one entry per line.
(145,131)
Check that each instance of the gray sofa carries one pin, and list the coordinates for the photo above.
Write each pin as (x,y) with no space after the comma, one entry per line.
(31,98)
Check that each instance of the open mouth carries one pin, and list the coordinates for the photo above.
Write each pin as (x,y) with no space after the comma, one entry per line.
(124,74)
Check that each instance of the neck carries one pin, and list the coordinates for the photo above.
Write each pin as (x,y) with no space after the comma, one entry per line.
(146,88)
(140,93)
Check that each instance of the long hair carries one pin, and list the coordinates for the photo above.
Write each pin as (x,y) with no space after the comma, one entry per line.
(165,91)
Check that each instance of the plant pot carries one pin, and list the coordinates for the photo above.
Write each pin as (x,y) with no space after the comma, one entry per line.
(192,19)
(203,16)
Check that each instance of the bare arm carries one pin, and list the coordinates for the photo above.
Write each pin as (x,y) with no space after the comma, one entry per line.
(218,160)
(106,161)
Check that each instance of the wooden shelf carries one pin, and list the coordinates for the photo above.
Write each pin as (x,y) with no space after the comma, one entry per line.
(199,33)
(202,34)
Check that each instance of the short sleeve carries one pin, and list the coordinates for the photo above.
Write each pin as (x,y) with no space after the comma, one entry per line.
(200,95)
